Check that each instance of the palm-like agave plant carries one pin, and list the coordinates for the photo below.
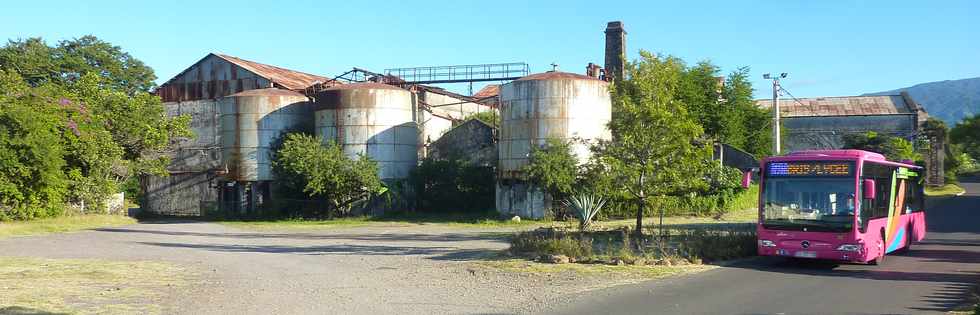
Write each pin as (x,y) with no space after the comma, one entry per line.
(585,206)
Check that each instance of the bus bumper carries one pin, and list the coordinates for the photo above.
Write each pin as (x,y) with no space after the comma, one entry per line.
(835,255)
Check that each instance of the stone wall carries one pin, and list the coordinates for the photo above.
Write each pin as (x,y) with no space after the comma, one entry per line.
(472,141)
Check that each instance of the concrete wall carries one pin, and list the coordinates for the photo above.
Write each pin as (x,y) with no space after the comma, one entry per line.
(432,127)
(181,194)
(192,166)
(517,198)
(827,132)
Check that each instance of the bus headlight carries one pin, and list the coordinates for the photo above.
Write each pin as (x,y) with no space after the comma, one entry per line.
(849,247)
(767,243)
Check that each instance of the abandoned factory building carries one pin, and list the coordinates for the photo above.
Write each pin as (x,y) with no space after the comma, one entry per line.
(822,122)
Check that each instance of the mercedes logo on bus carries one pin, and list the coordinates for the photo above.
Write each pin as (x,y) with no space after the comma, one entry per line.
(805,244)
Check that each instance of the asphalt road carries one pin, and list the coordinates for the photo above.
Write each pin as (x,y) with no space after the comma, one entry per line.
(933,277)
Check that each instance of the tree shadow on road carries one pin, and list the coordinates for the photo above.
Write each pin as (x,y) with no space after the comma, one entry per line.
(367,236)
(443,253)
(956,284)
(18,310)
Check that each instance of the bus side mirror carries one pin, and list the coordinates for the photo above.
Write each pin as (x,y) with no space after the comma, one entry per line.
(746,179)
(868,186)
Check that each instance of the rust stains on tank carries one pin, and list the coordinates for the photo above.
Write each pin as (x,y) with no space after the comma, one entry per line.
(333,97)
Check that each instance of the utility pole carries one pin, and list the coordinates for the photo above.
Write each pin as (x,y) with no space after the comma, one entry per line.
(775,110)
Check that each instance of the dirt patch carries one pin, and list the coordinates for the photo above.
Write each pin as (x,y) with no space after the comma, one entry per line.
(86,286)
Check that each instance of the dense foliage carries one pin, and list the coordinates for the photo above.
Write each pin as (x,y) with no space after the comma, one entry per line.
(726,111)
(76,122)
(966,134)
(453,186)
(955,160)
(553,167)
(70,60)
(894,148)
(324,172)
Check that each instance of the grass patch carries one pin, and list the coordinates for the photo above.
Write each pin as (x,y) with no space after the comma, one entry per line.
(945,190)
(34,285)
(61,224)
(585,270)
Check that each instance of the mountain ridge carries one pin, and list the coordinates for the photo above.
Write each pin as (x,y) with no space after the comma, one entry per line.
(948,100)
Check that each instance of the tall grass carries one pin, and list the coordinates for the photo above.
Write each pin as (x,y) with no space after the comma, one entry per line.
(694,243)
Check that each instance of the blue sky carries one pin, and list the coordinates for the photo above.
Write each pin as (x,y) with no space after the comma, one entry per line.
(829,48)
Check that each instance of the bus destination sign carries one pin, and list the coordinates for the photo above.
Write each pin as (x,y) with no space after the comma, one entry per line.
(804,168)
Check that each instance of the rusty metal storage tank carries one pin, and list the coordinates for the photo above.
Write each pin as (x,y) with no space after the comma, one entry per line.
(251,121)
(373,119)
(537,107)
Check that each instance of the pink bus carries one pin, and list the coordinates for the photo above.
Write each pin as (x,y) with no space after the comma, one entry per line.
(843,205)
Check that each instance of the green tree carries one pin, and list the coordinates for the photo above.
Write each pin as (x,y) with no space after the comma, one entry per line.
(116,129)
(966,133)
(491,117)
(138,123)
(653,151)
(894,148)
(553,167)
(72,59)
(32,181)
(326,173)
(749,128)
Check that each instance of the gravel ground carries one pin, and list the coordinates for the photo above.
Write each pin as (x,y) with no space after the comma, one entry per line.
(413,269)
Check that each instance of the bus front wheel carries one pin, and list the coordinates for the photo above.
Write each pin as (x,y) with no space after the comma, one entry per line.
(881,256)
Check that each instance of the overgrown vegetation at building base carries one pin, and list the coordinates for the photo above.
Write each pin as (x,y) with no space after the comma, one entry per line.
(445,186)
(679,244)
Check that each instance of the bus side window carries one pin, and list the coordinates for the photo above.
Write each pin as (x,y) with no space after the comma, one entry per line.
(877,208)
(914,195)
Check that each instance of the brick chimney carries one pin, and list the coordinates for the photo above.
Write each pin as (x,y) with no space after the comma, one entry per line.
(615,50)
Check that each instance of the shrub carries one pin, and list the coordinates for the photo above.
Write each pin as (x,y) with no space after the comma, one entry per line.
(537,243)
(453,185)
(691,243)
(714,245)
(324,172)
(585,207)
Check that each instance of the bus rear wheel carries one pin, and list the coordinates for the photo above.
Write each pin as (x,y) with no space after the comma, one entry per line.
(908,241)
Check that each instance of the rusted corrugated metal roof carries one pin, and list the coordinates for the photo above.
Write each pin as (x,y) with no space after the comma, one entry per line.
(488,91)
(841,106)
(268,92)
(289,79)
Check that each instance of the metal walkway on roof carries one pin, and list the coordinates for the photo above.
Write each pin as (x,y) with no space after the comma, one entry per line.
(460,73)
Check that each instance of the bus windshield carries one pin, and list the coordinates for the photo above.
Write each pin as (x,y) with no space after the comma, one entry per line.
(809,204)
